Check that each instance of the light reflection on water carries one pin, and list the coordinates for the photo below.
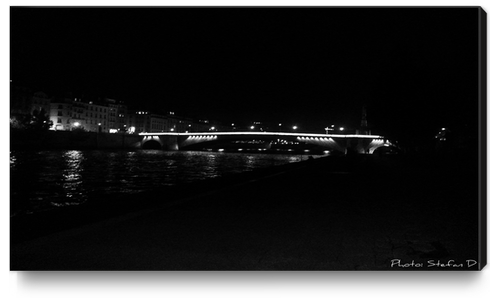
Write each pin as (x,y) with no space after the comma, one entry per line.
(72,177)
(41,180)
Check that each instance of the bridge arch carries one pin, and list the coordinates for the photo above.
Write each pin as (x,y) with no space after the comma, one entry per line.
(152,144)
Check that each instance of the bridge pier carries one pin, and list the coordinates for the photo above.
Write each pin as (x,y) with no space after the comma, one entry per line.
(170,143)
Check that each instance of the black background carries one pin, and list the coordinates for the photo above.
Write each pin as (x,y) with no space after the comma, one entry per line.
(416,69)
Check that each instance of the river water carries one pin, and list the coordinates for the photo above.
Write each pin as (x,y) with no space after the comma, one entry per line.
(50,179)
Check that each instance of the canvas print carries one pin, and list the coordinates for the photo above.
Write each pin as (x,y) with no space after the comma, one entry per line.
(247,138)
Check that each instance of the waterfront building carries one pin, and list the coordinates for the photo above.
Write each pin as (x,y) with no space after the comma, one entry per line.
(96,117)
(60,113)
(117,115)
(158,123)
(70,114)
(78,113)
(138,121)
(178,123)
(145,121)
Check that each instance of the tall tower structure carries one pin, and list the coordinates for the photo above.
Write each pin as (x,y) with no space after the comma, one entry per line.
(364,118)
(364,126)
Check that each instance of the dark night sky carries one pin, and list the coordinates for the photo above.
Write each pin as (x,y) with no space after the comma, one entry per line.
(416,69)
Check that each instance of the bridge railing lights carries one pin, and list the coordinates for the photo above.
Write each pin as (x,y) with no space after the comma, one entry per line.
(259,134)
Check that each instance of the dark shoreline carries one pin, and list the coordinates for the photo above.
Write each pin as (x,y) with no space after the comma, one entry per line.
(330,213)
(29,226)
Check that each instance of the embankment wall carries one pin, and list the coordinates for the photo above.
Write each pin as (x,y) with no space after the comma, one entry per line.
(53,140)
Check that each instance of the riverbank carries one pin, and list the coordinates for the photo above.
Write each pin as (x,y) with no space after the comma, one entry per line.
(66,140)
(102,205)
(326,214)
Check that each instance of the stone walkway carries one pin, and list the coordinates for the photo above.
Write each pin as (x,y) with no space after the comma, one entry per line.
(330,214)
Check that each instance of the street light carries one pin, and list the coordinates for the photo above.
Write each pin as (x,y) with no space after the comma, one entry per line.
(295,127)
(252,127)
(341,128)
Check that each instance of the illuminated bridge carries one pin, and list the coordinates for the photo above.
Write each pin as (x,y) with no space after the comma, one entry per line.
(237,141)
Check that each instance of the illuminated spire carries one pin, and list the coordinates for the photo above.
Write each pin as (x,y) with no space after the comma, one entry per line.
(364,117)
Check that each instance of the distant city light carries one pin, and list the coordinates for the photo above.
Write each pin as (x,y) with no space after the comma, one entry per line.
(100,124)
(295,127)
(171,129)
(443,128)
(341,128)
(76,124)
(280,124)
